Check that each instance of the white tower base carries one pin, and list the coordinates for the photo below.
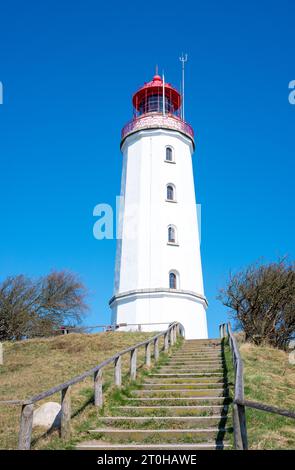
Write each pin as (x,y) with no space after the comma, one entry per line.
(155,309)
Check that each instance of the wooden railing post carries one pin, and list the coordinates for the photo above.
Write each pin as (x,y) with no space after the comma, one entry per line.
(156,350)
(118,372)
(1,355)
(26,426)
(174,334)
(237,429)
(171,337)
(133,356)
(243,427)
(240,429)
(98,396)
(224,330)
(166,344)
(148,355)
(65,428)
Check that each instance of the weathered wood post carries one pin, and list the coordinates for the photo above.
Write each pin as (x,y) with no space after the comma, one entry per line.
(171,337)
(148,355)
(156,349)
(133,356)
(174,334)
(243,427)
(220,331)
(224,330)
(166,344)
(118,371)
(240,429)
(26,426)
(237,430)
(65,428)
(98,396)
(1,355)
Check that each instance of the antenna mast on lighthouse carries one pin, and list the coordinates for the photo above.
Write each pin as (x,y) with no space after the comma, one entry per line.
(183,59)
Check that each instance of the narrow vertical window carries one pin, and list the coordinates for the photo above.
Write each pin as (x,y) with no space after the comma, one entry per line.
(172,280)
(169,154)
(171,234)
(170,192)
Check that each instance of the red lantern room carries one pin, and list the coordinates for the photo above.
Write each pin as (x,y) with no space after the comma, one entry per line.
(157,105)
(149,98)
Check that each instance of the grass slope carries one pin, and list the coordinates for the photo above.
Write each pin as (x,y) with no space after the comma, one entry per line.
(35,365)
(269,378)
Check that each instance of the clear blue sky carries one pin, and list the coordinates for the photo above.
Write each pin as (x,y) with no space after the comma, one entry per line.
(69,69)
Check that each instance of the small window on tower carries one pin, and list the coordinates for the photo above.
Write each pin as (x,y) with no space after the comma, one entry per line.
(169,154)
(171,234)
(172,280)
(170,193)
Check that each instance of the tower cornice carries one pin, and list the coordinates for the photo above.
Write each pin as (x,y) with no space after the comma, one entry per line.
(157,121)
(157,292)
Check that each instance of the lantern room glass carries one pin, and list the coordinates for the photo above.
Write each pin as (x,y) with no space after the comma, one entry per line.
(154,104)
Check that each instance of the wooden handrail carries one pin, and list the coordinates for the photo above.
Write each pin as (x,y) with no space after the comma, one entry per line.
(239,402)
(239,413)
(26,420)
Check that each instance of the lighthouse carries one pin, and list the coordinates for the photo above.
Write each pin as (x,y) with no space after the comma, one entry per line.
(158,271)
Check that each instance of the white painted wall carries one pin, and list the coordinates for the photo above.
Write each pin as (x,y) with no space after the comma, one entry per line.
(144,258)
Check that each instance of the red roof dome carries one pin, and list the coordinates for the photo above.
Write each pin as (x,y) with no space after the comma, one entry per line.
(155,87)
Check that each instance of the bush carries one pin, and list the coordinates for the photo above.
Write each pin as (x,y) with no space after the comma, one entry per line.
(262,302)
(37,308)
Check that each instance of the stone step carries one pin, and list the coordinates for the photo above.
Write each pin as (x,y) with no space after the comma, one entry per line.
(166,410)
(179,386)
(97,445)
(189,342)
(194,392)
(195,362)
(203,364)
(152,435)
(199,351)
(184,374)
(201,370)
(193,380)
(209,364)
(211,344)
(195,400)
(154,422)
(196,366)
(197,359)
(198,356)
(201,345)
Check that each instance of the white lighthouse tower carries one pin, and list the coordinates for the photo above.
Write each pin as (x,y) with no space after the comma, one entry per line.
(158,273)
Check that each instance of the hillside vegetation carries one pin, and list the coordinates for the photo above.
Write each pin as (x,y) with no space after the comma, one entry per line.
(35,365)
(269,378)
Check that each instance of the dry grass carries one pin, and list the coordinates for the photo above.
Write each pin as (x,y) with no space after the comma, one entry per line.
(35,365)
(269,378)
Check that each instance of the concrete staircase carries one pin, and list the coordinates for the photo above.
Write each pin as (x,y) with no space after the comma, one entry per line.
(183,405)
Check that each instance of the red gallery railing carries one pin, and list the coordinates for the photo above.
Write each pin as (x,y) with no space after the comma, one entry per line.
(156,120)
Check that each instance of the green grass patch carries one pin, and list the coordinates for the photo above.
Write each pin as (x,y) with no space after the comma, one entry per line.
(270,379)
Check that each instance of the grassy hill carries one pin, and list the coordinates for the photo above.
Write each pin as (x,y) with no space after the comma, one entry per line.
(33,366)
(269,378)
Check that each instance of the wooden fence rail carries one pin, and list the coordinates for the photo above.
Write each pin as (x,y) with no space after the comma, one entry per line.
(26,419)
(239,402)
